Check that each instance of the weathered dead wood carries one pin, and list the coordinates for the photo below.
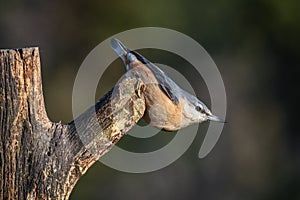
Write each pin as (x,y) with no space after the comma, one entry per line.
(40,159)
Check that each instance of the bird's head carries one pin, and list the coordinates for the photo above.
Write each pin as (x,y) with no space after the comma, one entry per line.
(195,111)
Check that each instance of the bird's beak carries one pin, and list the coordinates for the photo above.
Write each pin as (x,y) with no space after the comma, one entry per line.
(119,48)
(215,118)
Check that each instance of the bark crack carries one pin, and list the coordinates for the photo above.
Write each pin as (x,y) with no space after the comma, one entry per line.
(40,159)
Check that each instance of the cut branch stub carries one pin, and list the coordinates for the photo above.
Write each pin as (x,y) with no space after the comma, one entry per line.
(40,159)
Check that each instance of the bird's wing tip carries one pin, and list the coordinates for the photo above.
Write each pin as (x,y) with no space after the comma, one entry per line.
(118,47)
(114,43)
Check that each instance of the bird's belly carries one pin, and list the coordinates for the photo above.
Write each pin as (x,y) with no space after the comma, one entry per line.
(161,112)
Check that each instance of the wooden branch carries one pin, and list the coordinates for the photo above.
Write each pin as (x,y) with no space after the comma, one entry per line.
(40,159)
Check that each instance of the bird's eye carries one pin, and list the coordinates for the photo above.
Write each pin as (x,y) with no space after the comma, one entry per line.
(199,109)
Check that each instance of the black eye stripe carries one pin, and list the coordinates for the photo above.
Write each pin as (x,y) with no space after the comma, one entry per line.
(139,57)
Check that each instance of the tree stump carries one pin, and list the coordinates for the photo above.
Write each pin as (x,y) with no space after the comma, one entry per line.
(40,159)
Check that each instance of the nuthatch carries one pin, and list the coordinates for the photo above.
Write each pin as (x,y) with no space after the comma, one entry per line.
(168,107)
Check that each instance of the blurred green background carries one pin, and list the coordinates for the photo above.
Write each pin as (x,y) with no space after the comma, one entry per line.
(254,43)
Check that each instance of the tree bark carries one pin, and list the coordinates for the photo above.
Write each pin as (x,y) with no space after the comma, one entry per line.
(40,159)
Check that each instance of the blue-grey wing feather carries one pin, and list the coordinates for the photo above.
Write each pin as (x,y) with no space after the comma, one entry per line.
(119,48)
(166,84)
